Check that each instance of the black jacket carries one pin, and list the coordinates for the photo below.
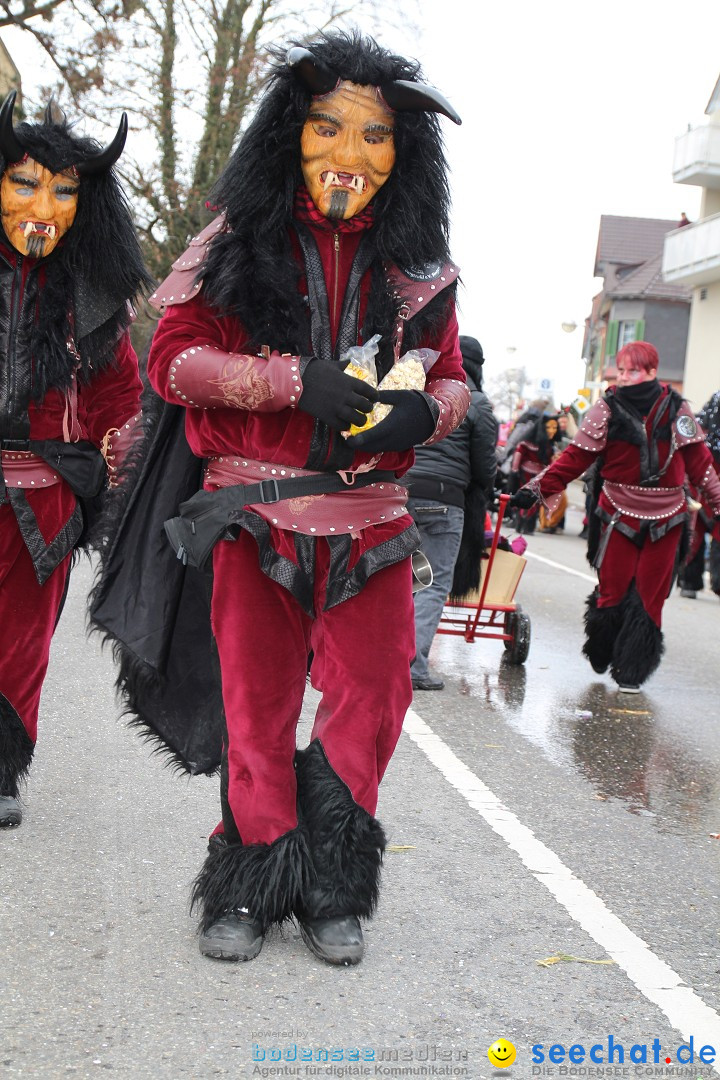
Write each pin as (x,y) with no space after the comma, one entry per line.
(444,470)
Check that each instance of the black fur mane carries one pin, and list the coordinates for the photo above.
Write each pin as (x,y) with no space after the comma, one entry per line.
(100,250)
(250,271)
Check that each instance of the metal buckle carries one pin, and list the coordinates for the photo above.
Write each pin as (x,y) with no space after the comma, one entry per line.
(15,444)
(271,493)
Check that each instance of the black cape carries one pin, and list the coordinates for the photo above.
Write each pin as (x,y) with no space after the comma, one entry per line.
(154,609)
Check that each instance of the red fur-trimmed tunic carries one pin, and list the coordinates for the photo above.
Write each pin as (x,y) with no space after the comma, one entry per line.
(28,609)
(310,576)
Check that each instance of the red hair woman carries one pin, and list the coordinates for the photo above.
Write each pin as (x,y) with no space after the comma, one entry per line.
(642,439)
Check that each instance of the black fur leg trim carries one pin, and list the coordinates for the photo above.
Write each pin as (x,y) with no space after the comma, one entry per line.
(16,749)
(346,843)
(267,879)
(639,644)
(601,629)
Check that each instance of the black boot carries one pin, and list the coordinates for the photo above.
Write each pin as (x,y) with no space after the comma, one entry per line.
(235,936)
(16,751)
(246,888)
(346,846)
(638,645)
(601,629)
(338,941)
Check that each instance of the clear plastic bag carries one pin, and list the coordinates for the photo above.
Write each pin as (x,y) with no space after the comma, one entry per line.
(361,364)
(409,373)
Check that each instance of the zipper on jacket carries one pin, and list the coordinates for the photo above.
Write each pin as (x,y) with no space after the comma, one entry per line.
(336,245)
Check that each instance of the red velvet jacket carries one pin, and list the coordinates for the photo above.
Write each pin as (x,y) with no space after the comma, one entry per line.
(622,462)
(108,401)
(252,410)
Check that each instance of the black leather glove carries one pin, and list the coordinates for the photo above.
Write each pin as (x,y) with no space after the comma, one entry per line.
(337,399)
(409,423)
(523,499)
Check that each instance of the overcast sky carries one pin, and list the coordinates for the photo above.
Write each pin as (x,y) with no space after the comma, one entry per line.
(570,110)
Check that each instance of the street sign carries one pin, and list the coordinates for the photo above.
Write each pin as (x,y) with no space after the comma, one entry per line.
(580,405)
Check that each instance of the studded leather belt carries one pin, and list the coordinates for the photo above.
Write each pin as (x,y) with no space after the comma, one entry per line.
(346,511)
(23,469)
(652,504)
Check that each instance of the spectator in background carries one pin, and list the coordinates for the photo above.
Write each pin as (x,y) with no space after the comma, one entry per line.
(521,429)
(451,485)
(684,220)
(690,577)
(533,454)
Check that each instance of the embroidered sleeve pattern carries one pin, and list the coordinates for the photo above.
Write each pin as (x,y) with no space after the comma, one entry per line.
(686,429)
(206,377)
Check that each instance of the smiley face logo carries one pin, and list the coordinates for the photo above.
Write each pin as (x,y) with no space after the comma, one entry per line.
(501,1053)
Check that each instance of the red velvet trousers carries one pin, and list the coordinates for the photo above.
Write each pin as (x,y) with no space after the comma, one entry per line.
(28,611)
(362,652)
(650,565)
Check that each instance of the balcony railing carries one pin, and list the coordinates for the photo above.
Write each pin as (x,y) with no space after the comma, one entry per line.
(697,157)
(692,254)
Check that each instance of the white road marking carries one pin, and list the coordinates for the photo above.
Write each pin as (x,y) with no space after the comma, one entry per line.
(560,566)
(655,979)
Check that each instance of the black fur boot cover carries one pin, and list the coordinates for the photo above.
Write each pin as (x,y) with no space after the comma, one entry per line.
(601,629)
(267,879)
(346,843)
(639,643)
(16,749)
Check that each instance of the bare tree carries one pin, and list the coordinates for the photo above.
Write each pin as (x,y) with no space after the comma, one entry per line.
(187,72)
(505,389)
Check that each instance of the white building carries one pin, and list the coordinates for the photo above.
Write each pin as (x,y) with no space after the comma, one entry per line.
(692,253)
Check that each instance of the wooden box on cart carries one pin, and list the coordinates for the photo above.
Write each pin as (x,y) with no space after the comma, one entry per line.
(507,569)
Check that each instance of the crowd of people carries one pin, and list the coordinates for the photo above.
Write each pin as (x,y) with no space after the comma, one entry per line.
(314,422)
(652,507)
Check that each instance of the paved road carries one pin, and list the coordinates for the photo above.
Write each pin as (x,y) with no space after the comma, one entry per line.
(532,813)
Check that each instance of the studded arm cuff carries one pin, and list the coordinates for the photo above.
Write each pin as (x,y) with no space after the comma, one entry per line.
(205,377)
(709,485)
(449,401)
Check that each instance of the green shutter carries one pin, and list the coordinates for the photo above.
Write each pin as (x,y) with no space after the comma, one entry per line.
(640,330)
(611,339)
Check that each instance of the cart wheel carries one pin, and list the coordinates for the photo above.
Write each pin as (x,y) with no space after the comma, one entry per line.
(517,623)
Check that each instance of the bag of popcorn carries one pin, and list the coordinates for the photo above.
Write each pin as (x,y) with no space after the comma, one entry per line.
(408,373)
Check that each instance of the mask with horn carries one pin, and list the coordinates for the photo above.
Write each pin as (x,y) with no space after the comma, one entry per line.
(44,168)
(347,144)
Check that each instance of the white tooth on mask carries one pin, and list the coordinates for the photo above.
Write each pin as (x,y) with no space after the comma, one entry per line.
(330,179)
(50,230)
(29,227)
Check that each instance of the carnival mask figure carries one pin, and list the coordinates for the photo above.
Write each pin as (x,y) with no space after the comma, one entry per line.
(38,206)
(70,270)
(333,209)
(44,169)
(347,149)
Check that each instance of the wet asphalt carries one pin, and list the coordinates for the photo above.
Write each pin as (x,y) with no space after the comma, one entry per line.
(99,968)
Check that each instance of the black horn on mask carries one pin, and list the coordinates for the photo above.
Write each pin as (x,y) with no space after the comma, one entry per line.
(53,113)
(401,95)
(405,96)
(106,158)
(10,147)
(314,76)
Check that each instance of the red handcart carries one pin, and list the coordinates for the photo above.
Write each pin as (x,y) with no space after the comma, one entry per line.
(504,621)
